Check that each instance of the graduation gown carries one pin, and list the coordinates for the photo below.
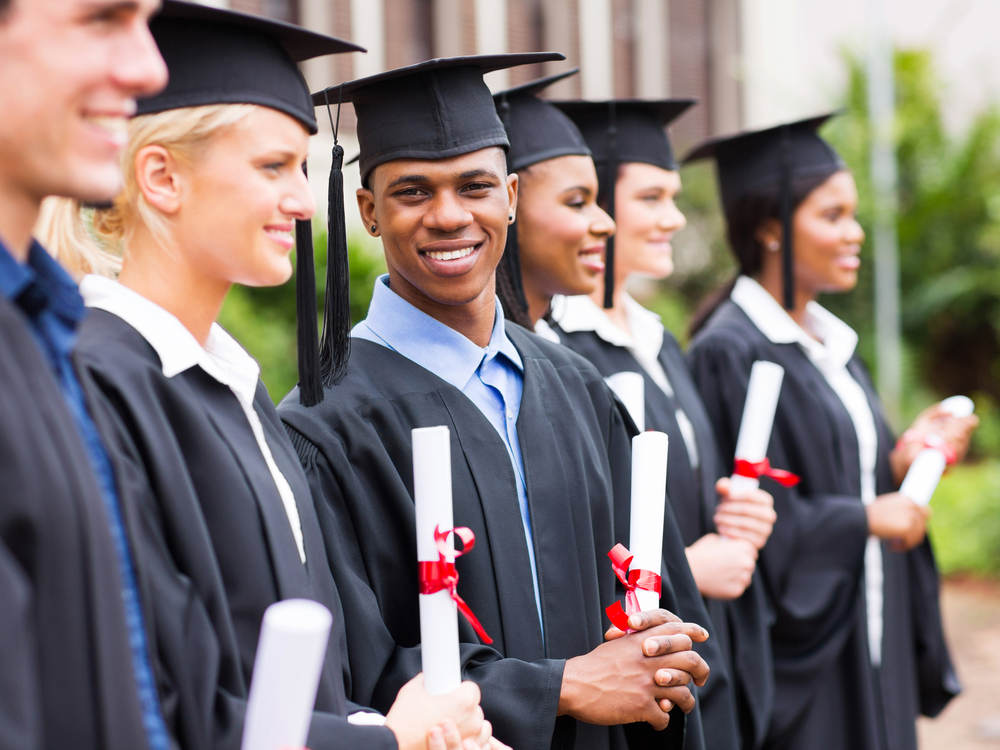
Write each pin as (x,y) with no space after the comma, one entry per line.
(827,693)
(213,544)
(357,450)
(66,678)
(740,689)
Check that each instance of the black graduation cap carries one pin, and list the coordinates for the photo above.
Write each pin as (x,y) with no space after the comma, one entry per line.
(771,158)
(436,109)
(538,132)
(217,56)
(621,131)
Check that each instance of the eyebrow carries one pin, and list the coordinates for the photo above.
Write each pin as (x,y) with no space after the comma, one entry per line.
(132,6)
(419,178)
(581,188)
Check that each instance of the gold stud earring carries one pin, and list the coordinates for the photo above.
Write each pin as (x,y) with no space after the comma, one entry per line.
(774,246)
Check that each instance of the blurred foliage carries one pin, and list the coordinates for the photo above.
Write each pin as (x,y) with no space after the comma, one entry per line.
(263,319)
(965,528)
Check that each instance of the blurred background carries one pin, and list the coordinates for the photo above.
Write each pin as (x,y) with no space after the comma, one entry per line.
(918,82)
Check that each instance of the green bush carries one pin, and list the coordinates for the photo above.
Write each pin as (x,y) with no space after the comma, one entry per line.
(965,528)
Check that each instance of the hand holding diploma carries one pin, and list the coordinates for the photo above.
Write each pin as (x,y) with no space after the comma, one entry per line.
(939,437)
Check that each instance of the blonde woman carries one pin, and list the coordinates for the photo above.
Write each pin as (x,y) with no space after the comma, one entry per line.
(213,187)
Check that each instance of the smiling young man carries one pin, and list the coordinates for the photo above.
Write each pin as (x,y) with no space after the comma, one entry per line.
(539,449)
(74,663)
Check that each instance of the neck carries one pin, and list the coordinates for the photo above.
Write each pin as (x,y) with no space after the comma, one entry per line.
(538,301)
(473,319)
(617,314)
(18,214)
(772,279)
(163,277)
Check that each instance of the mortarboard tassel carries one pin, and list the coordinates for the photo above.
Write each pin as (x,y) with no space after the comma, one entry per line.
(785,200)
(335,345)
(612,180)
(512,252)
(310,382)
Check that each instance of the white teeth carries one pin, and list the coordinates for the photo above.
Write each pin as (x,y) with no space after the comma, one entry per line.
(114,125)
(453,254)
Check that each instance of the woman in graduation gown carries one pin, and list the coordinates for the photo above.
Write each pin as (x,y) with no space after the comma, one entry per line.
(857,641)
(549,243)
(539,450)
(627,338)
(214,185)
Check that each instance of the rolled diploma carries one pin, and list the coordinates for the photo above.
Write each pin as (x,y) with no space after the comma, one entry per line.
(438,612)
(649,495)
(286,674)
(758,418)
(928,467)
(630,387)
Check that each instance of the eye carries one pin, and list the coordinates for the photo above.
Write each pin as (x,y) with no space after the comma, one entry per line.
(408,192)
(477,187)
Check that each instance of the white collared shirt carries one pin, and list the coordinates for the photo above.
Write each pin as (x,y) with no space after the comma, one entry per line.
(830,354)
(581,313)
(222,358)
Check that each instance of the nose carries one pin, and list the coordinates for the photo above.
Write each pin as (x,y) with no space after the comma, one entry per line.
(856,233)
(298,202)
(603,226)
(673,219)
(447,214)
(138,68)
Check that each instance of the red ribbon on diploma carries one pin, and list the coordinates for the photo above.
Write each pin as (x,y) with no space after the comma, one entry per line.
(930,440)
(441,575)
(646,580)
(763,468)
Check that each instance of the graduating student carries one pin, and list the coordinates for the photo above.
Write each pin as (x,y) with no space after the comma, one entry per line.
(214,184)
(538,446)
(635,159)
(75,664)
(557,214)
(857,641)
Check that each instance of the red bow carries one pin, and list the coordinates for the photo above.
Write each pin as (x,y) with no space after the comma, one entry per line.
(763,468)
(441,574)
(646,580)
(930,440)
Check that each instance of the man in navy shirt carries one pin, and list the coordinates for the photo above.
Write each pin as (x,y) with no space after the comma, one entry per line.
(75,662)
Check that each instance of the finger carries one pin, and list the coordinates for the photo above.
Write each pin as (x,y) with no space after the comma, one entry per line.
(452,737)
(723,486)
(666,705)
(651,618)
(666,644)
(744,509)
(484,734)
(613,634)
(435,740)
(679,696)
(672,677)
(496,744)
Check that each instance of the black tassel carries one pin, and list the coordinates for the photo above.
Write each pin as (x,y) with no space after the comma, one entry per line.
(310,383)
(612,180)
(788,257)
(335,346)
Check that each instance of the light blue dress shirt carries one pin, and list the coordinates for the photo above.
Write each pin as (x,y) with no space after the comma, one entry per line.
(492,378)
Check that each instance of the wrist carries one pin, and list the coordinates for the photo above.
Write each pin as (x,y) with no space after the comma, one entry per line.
(569,690)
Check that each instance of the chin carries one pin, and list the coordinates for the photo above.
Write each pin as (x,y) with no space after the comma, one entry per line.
(94,184)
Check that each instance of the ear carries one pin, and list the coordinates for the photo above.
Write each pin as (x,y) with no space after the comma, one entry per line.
(158,179)
(769,231)
(366,206)
(512,186)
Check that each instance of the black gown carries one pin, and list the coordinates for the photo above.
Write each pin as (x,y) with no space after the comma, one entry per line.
(827,693)
(356,448)
(213,544)
(741,684)
(66,679)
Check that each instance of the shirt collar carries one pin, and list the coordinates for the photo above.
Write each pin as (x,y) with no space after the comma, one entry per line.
(839,340)
(581,313)
(222,357)
(430,343)
(57,290)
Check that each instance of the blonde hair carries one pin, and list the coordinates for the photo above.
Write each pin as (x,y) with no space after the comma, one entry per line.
(95,240)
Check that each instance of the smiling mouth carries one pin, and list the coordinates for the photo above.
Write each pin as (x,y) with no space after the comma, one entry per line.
(451,254)
(113,126)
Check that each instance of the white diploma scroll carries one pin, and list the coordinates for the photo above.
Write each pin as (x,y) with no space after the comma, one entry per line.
(286,674)
(927,468)
(630,387)
(649,494)
(438,611)
(758,418)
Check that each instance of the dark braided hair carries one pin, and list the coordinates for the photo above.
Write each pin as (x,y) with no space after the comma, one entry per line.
(744,219)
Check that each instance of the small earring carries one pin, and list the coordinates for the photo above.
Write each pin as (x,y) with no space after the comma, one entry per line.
(374,228)
(774,246)
(510,218)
